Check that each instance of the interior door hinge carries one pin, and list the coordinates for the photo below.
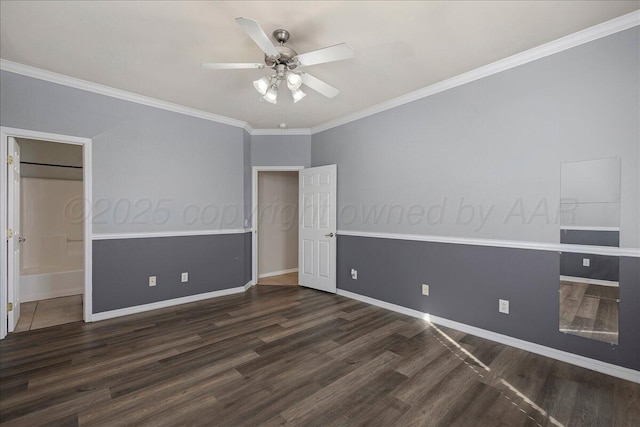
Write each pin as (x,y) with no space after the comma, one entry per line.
(9,307)
(9,160)
(9,233)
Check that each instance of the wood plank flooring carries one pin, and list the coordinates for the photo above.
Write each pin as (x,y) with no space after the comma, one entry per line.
(289,279)
(281,355)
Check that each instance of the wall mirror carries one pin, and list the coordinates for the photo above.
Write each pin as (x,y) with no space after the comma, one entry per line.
(590,216)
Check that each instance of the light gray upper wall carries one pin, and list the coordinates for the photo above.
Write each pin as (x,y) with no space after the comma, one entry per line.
(155,170)
(281,150)
(494,147)
(246,156)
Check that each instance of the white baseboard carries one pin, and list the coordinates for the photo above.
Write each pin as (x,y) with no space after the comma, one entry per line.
(574,359)
(277,273)
(248,285)
(95,317)
(590,281)
(36,287)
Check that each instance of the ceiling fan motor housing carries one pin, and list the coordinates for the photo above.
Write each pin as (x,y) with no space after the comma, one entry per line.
(286,53)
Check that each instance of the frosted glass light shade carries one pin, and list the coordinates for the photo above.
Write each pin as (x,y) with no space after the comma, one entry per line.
(262,85)
(297,95)
(272,95)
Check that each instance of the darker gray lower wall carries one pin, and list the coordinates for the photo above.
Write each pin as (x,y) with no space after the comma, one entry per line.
(601,267)
(590,237)
(121,268)
(466,282)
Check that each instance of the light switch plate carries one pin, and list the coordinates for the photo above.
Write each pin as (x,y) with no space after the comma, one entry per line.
(425,289)
(354,274)
(586,262)
(152,280)
(184,278)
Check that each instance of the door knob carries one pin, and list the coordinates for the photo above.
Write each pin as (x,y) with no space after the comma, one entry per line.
(328,235)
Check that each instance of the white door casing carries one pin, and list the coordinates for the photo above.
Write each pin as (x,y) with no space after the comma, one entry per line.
(13,242)
(5,134)
(317,230)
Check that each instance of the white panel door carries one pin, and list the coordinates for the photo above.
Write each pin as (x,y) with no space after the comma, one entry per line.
(317,233)
(13,243)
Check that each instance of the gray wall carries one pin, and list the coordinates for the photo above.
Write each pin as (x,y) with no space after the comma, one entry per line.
(247,177)
(483,161)
(281,150)
(145,159)
(466,282)
(121,268)
(489,152)
(150,168)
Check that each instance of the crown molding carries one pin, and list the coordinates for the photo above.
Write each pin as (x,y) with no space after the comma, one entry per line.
(298,131)
(607,28)
(37,73)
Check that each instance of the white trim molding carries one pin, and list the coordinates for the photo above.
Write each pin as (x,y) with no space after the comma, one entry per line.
(604,29)
(165,303)
(277,273)
(585,228)
(574,359)
(248,285)
(515,244)
(151,234)
(607,28)
(37,73)
(588,281)
(279,132)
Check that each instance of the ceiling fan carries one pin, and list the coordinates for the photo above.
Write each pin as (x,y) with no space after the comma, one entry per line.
(286,63)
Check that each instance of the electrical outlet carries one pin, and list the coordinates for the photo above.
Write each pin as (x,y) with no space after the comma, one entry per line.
(425,289)
(503,306)
(152,280)
(354,274)
(185,277)
(586,262)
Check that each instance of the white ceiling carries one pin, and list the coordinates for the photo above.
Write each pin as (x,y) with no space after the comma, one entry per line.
(156,48)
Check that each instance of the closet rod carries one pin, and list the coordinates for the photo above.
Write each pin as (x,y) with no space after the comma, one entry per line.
(49,164)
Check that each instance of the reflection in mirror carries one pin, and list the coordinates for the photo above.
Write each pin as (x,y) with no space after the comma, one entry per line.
(590,216)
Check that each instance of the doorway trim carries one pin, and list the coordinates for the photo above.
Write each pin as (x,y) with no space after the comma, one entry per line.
(254,212)
(5,133)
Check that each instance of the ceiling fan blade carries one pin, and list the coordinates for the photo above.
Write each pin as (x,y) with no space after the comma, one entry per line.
(253,29)
(319,86)
(231,65)
(328,54)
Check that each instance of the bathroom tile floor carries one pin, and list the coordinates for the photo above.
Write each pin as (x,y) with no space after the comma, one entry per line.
(49,312)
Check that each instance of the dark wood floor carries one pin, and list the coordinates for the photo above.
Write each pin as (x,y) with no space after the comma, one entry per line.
(290,355)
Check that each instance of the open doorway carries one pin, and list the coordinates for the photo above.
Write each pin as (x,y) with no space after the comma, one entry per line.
(276,226)
(48,254)
(51,271)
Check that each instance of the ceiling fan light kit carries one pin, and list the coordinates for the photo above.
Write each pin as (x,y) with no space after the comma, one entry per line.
(262,85)
(284,60)
(297,94)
